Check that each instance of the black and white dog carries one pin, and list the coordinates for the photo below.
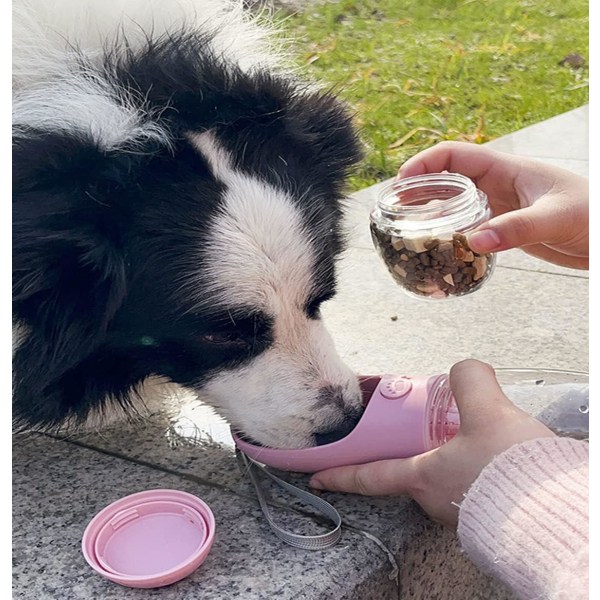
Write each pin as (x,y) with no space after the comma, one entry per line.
(177,205)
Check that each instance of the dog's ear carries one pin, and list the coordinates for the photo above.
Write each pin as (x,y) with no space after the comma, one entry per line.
(69,265)
(278,117)
(322,126)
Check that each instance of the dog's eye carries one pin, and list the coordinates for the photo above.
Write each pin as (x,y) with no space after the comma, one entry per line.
(313,310)
(313,307)
(219,338)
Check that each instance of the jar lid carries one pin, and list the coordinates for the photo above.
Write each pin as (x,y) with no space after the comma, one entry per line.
(149,539)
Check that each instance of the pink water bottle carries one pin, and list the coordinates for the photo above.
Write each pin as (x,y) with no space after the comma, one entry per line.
(404,416)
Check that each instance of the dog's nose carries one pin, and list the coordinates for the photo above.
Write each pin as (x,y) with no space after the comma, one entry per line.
(339,431)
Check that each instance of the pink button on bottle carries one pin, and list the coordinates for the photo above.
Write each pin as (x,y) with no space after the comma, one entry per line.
(395,387)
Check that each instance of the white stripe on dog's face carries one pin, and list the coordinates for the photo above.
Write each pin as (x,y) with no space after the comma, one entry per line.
(260,255)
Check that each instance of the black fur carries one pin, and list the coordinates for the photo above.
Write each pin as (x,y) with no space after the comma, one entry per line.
(102,239)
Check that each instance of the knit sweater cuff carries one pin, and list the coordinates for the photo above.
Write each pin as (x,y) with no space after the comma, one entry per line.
(525,519)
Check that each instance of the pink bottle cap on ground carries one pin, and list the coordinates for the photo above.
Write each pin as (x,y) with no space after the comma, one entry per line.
(150,539)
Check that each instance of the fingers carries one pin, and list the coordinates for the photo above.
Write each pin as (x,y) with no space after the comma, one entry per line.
(382,478)
(470,160)
(536,205)
(477,392)
(531,225)
(489,422)
(534,224)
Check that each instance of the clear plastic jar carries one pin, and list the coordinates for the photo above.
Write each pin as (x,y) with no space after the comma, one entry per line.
(418,227)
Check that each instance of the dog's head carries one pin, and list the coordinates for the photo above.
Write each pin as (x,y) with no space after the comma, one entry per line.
(175,216)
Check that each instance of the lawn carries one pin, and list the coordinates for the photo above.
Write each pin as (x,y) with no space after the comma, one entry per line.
(416,72)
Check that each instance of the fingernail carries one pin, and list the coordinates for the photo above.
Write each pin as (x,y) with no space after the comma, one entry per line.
(486,240)
(315,484)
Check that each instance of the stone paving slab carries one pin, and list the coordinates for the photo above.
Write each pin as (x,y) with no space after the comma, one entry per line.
(58,487)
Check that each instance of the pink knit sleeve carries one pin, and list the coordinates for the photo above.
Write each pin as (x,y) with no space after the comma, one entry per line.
(525,519)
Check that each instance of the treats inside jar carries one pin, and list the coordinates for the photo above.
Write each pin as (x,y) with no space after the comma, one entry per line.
(433,266)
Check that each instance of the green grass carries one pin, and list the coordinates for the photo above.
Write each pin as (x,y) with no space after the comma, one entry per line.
(416,72)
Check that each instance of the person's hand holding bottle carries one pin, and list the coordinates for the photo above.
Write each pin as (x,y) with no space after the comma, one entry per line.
(490,424)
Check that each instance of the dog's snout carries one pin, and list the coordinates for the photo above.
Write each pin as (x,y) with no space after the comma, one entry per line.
(341,430)
(346,419)
(331,396)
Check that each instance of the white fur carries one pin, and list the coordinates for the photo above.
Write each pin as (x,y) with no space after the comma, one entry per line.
(156,396)
(275,399)
(261,255)
(20,332)
(45,33)
(260,248)
(49,37)
(87,106)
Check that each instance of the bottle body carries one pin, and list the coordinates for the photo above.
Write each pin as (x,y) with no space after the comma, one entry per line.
(441,413)
(418,227)
(561,404)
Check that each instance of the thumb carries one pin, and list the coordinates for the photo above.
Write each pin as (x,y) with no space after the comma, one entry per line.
(382,478)
(531,225)
(478,394)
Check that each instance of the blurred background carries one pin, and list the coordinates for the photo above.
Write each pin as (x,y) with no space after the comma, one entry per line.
(416,72)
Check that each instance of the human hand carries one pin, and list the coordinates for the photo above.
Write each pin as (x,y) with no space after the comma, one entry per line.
(541,208)
(490,424)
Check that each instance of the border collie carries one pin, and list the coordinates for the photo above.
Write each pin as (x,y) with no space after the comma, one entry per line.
(177,198)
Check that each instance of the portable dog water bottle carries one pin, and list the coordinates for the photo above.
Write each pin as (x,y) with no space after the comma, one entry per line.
(406,416)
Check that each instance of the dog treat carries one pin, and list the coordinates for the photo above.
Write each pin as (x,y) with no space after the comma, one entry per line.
(433,267)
